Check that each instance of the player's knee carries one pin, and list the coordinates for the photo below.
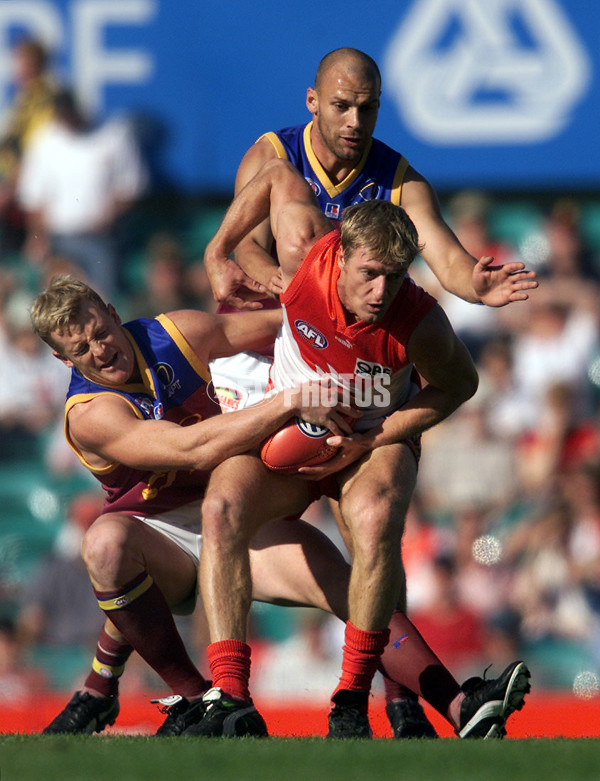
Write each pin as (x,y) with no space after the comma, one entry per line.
(371,516)
(222,517)
(105,546)
(376,527)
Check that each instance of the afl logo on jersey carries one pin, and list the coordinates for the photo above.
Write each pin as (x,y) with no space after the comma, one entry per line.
(311,429)
(313,186)
(310,333)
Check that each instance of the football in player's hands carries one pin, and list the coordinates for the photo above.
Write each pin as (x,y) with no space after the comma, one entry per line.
(297,443)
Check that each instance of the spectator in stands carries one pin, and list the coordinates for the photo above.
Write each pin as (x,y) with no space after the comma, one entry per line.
(502,637)
(560,439)
(558,344)
(580,488)
(199,283)
(454,452)
(59,616)
(77,179)
(31,108)
(165,284)
(483,576)
(567,256)
(556,620)
(18,680)
(423,541)
(32,391)
(506,409)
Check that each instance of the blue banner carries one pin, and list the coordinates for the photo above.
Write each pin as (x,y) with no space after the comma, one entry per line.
(501,93)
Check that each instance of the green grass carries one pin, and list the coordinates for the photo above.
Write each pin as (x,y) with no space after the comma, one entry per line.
(53,758)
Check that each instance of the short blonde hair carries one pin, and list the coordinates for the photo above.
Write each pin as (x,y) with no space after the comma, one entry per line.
(383,228)
(58,307)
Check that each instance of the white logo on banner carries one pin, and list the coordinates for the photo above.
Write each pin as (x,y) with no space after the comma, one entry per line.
(82,26)
(499,71)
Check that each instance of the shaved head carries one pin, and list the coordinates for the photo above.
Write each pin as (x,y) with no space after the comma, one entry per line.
(353,60)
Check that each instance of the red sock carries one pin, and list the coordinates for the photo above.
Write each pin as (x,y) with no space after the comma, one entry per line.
(141,614)
(362,652)
(229,662)
(408,663)
(108,664)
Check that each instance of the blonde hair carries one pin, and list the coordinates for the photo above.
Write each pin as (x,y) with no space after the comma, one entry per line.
(383,228)
(59,306)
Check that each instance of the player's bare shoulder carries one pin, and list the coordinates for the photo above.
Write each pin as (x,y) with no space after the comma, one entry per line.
(255,157)
(91,424)
(417,192)
(197,328)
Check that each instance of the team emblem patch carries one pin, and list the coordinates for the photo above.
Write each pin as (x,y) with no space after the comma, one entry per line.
(229,398)
(313,186)
(368,192)
(166,375)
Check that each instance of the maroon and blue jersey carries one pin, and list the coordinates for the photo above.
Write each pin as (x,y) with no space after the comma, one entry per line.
(377,176)
(175,386)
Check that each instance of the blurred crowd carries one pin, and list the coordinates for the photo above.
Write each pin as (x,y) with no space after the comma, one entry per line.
(502,544)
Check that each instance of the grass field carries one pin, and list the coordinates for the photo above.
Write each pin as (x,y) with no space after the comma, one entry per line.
(52,758)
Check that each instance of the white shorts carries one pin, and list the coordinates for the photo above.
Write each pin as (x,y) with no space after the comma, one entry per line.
(184,527)
(240,380)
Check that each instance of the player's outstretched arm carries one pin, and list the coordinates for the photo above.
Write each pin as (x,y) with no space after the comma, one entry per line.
(501,285)
(456,269)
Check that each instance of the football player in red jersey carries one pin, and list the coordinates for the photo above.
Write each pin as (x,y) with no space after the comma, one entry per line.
(353,285)
(344,164)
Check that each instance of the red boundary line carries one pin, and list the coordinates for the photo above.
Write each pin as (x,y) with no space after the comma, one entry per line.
(544,716)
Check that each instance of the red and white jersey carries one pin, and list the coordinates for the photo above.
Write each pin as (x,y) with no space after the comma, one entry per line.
(316,338)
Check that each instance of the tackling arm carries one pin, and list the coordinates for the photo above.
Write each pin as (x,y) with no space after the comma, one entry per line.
(253,253)
(106,430)
(278,191)
(252,274)
(216,336)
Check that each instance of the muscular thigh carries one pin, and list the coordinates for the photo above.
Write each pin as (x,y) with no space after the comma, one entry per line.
(250,489)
